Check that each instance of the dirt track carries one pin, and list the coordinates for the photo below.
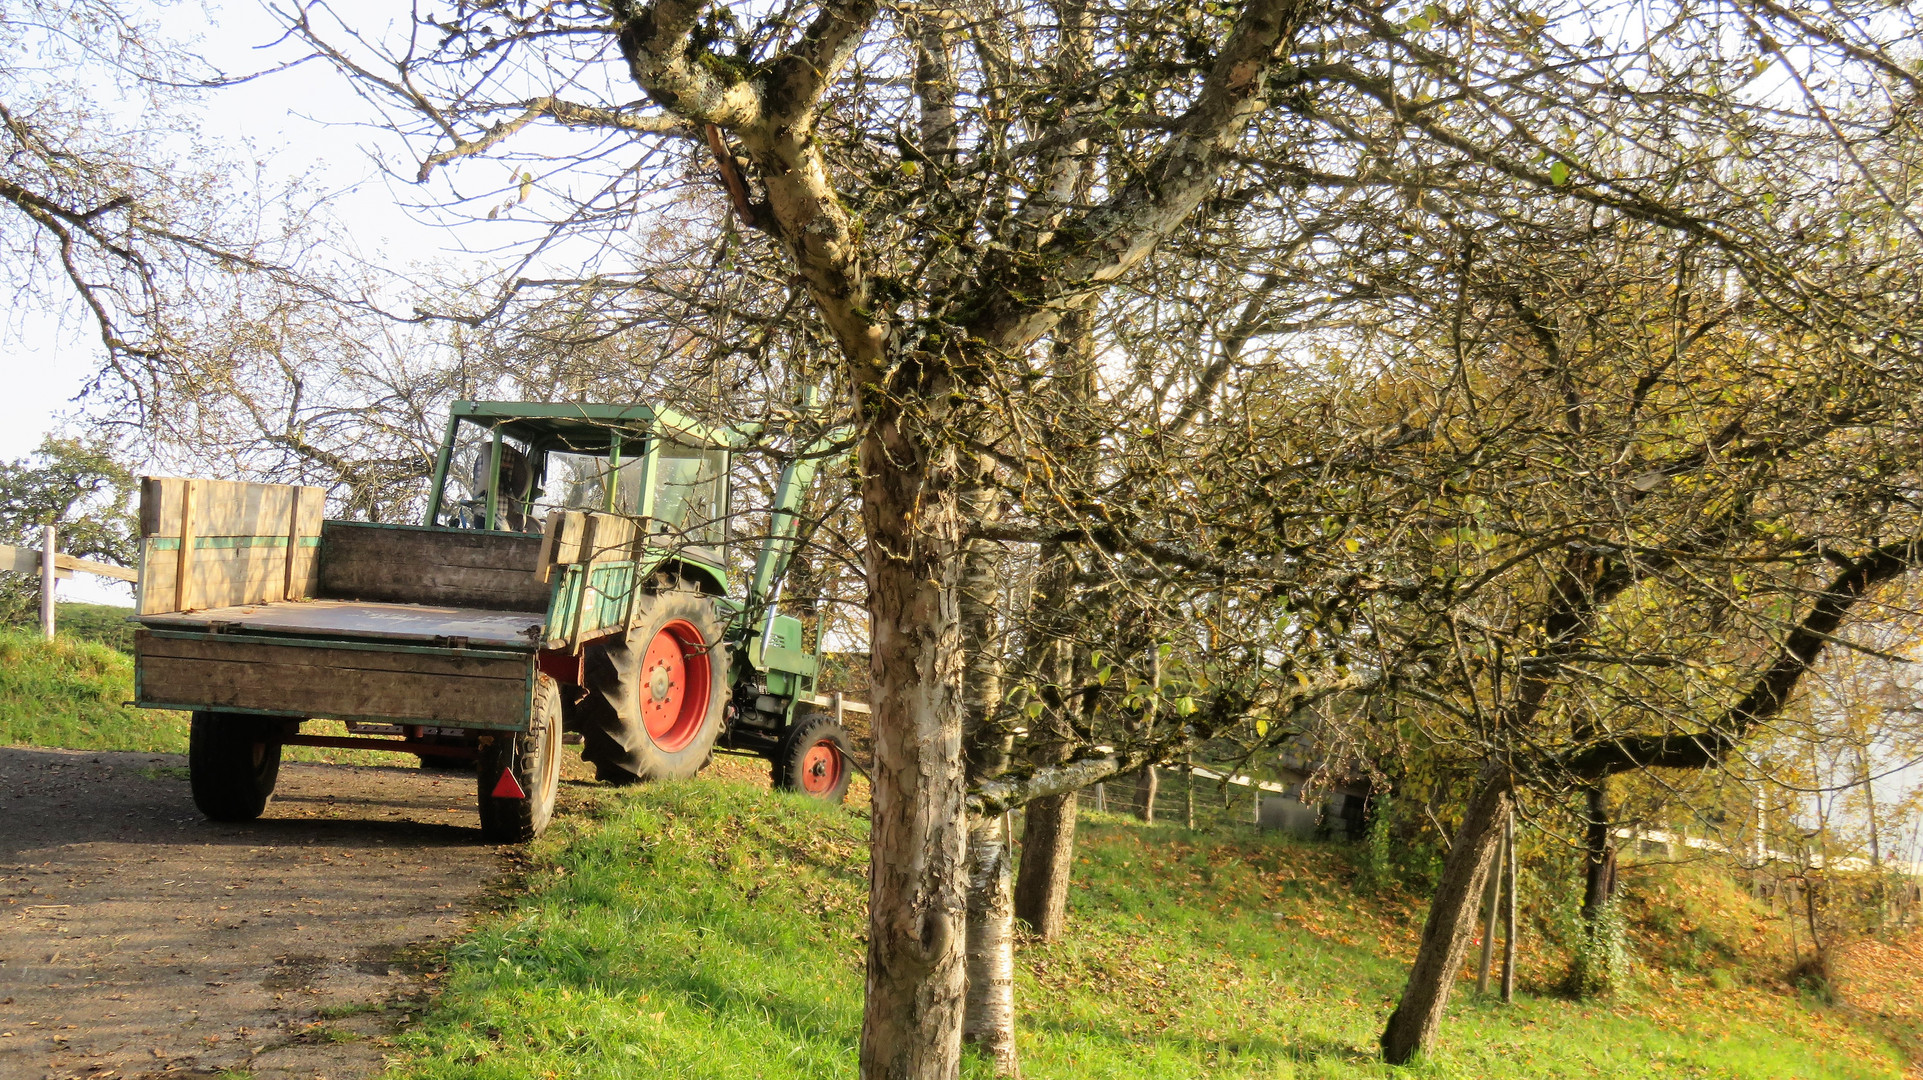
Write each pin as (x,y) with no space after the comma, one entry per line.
(140,940)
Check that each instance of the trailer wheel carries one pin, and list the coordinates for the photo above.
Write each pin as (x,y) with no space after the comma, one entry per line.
(232,764)
(814,757)
(521,770)
(655,700)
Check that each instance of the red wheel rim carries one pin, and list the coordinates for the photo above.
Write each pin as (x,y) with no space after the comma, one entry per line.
(821,768)
(675,679)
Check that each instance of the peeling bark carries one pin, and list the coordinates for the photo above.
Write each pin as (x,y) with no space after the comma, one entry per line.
(911,1025)
(988,1021)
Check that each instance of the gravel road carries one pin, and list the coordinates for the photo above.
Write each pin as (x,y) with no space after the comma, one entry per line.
(140,940)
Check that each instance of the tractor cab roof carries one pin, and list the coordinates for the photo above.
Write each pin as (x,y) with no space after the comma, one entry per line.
(587,428)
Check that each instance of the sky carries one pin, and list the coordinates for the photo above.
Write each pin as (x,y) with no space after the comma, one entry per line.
(275,120)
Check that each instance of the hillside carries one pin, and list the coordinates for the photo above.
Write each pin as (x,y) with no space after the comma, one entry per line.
(713,929)
(71,693)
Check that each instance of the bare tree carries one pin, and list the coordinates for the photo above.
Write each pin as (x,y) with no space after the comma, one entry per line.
(948,187)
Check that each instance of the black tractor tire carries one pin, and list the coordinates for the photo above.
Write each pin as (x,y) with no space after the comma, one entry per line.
(656,697)
(815,758)
(233,761)
(533,757)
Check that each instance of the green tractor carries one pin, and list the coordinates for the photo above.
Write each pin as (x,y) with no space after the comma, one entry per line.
(579,591)
(672,668)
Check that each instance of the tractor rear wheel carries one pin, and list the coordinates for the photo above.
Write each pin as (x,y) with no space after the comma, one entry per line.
(814,758)
(655,700)
(233,762)
(520,771)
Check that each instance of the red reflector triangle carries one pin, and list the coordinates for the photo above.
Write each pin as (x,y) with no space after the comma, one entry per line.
(508,787)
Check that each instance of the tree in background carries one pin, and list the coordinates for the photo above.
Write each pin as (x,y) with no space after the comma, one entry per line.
(84,488)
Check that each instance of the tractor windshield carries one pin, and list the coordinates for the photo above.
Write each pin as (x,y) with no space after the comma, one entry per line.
(580,482)
(688,493)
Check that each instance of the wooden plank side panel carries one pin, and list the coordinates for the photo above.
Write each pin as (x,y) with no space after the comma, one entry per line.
(609,538)
(452,567)
(223,576)
(230,507)
(335,683)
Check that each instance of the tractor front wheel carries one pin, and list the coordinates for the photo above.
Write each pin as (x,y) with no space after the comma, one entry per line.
(814,758)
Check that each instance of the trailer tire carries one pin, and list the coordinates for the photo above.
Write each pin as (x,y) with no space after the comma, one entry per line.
(233,762)
(655,698)
(815,758)
(533,758)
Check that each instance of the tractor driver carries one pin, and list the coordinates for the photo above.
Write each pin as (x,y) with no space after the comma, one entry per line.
(515,479)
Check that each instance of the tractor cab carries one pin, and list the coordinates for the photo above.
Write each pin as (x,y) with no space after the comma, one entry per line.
(504,466)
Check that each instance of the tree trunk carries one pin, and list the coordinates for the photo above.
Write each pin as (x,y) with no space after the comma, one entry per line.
(1599,868)
(988,1013)
(1452,917)
(1146,784)
(1048,850)
(989,1019)
(911,1023)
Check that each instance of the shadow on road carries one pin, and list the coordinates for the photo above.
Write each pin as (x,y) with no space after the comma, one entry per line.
(142,938)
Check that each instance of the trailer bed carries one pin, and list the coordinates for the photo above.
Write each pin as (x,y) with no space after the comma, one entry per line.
(368,620)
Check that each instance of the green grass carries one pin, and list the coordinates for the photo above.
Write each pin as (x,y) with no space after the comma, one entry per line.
(103,623)
(711,929)
(70,694)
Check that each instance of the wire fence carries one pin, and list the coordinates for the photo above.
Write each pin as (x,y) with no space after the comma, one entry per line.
(1202,798)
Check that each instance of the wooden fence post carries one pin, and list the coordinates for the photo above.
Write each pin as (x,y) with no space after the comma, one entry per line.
(1509,909)
(1491,897)
(184,565)
(47,571)
(1188,793)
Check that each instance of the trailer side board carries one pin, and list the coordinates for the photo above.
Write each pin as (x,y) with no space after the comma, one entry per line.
(421,564)
(304,678)
(218,543)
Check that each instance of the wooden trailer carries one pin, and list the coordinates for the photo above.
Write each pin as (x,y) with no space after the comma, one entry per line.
(256,615)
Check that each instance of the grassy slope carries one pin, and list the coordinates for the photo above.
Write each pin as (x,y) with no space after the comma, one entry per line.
(710,929)
(69,693)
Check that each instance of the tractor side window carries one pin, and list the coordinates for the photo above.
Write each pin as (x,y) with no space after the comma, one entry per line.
(687,492)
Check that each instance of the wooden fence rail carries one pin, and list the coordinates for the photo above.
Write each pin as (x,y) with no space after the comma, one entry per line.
(31,561)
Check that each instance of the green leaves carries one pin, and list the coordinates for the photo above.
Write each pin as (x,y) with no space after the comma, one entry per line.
(1428,17)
